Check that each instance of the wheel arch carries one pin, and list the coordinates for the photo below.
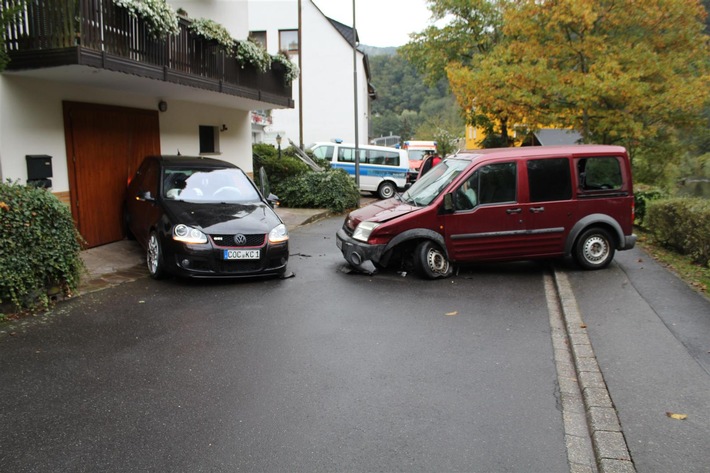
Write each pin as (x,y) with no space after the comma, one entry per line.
(595,220)
(416,234)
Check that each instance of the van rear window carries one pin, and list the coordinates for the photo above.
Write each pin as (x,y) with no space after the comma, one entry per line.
(599,173)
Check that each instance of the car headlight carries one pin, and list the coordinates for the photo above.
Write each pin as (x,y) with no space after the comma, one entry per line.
(278,234)
(363,231)
(185,234)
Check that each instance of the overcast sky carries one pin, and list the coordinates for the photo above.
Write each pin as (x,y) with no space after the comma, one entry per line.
(380,22)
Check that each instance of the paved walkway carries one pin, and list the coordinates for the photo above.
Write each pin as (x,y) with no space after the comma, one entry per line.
(124,261)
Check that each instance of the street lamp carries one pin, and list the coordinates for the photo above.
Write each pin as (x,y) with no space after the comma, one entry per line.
(278,142)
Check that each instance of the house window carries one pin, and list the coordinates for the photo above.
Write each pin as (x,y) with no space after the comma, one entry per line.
(209,139)
(258,37)
(288,41)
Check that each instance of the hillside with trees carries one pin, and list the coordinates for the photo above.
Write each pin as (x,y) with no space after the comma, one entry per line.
(407,105)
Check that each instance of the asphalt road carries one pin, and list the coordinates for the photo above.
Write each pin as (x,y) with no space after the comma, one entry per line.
(330,371)
(325,371)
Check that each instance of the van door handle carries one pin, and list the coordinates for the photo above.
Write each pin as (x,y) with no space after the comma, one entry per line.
(537,210)
(513,211)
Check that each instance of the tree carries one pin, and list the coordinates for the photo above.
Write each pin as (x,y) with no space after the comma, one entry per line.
(618,71)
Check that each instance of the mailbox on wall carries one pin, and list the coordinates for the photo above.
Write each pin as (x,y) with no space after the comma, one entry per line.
(39,170)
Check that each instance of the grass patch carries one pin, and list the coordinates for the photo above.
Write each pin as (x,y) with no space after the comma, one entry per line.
(695,275)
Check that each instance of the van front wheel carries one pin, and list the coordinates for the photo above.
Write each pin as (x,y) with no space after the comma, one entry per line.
(386,190)
(594,249)
(431,262)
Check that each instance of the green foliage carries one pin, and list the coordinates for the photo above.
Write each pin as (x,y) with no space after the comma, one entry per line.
(682,224)
(40,247)
(643,195)
(8,15)
(158,15)
(211,30)
(277,169)
(333,189)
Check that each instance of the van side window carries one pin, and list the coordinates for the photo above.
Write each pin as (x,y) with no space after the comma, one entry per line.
(549,179)
(388,158)
(466,196)
(347,155)
(490,184)
(497,183)
(323,152)
(602,173)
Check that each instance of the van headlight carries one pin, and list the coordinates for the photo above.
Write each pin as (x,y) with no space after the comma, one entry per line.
(278,234)
(185,234)
(363,231)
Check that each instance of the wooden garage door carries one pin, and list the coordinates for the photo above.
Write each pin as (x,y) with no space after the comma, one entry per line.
(105,146)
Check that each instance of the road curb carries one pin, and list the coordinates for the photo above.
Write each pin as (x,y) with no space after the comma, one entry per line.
(609,445)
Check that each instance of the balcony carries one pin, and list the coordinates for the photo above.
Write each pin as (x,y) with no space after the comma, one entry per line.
(101,35)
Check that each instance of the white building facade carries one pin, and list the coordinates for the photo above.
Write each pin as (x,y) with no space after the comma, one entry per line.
(327,68)
(92,92)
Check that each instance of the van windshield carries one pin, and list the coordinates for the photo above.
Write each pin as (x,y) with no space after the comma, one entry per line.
(426,189)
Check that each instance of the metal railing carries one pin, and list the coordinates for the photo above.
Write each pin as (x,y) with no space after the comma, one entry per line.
(100,26)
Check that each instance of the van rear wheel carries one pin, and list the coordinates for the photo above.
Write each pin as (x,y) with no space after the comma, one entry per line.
(594,249)
(430,261)
(386,190)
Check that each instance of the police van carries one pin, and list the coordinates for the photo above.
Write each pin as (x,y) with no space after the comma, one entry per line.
(382,170)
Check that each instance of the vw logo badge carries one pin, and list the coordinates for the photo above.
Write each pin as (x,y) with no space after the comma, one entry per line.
(240,239)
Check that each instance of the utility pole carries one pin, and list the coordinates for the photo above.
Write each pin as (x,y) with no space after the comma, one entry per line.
(357,151)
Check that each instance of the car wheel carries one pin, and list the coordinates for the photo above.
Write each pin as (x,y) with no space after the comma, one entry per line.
(386,190)
(594,249)
(431,262)
(154,257)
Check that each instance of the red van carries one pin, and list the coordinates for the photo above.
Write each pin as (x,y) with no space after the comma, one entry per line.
(500,205)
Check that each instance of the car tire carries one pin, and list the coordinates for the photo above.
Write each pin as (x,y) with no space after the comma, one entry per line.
(386,190)
(430,261)
(594,249)
(154,257)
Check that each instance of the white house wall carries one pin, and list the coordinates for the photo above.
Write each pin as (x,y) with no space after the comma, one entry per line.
(328,108)
(32,122)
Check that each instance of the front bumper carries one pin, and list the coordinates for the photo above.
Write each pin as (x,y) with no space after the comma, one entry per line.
(362,256)
(205,261)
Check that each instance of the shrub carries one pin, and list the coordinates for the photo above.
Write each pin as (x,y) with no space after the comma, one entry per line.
(682,224)
(277,169)
(333,189)
(642,196)
(40,247)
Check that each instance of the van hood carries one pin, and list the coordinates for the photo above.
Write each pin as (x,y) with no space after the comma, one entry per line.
(380,211)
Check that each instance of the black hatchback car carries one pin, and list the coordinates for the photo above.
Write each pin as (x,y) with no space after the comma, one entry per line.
(203,217)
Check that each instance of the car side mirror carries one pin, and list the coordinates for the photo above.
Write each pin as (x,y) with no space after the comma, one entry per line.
(145,196)
(273,200)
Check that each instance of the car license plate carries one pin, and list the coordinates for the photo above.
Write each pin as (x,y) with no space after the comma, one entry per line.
(241,254)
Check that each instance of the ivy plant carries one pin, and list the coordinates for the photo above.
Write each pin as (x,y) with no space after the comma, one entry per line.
(250,52)
(40,246)
(292,70)
(213,31)
(160,17)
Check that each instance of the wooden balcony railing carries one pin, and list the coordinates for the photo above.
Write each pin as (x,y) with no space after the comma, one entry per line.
(100,34)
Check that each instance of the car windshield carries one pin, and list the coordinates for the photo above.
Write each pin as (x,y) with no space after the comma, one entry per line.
(416,154)
(227,185)
(426,189)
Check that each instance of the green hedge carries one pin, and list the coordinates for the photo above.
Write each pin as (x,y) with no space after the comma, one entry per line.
(643,195)
(331,189)
(39,249)
(682,224)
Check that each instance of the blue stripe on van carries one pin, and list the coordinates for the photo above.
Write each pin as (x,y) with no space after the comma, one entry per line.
(374,171)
